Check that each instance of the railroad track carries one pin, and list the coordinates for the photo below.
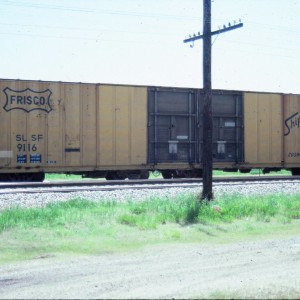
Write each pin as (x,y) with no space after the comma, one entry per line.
(103,185)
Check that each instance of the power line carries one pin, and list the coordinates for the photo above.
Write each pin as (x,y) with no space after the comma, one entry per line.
(94,39)
(97,11)
(38,26)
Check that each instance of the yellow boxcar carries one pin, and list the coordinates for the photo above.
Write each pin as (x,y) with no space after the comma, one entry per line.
(69,127)
(272,131)
(263,129)
(291,131)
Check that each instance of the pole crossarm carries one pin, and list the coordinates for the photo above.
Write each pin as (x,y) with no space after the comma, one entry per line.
(198,37)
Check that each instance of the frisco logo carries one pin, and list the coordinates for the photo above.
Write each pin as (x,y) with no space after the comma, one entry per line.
(27,100)
(292,122)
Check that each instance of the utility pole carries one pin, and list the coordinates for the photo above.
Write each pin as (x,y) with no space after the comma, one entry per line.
(207,192)
(207,148)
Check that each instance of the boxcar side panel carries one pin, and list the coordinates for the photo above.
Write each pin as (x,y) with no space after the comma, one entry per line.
(55,153)
(72,124)
(122,125)
(6,154)
(263,128)
(88,125)
(291,129)
(106,120)
(79,120)
(138,119)
(47,125)
(36,132)
(24,110)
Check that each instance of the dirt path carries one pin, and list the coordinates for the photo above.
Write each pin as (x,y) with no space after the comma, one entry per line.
(259,269)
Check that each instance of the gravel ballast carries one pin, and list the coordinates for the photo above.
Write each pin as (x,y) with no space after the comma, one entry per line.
(8,200)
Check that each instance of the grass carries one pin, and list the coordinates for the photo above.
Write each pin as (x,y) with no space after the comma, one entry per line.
(252,172)
(84,227)
(58,176)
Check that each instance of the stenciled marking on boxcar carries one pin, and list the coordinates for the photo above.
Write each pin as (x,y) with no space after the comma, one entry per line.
(28,144)
(27,100)
(28,148)
(294,154)
(292,122)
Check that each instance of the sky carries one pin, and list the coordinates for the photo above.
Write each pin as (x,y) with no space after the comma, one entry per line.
(140,42)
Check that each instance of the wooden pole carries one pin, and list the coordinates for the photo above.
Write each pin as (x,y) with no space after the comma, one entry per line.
(207,149)
(207,107)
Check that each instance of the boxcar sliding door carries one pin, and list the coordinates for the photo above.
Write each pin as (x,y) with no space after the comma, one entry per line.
(172,122)
(175,126)
(227,111)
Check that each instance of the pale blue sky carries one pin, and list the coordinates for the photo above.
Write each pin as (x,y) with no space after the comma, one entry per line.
(141,42)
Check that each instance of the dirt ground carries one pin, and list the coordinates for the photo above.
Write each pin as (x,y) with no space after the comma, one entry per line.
(258,269)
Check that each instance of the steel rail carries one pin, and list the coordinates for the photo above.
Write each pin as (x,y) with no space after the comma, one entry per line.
(4,185)
(102,185)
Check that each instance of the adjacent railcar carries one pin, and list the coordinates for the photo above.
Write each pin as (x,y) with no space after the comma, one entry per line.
(120,131)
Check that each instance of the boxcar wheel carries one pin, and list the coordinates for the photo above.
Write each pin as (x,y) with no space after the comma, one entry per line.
(166,174)
(134,176)
(295,171)
(115,176)
(144,174)
(38,177)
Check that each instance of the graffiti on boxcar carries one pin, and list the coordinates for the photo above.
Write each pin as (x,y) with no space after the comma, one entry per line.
(27,100)
(292,122)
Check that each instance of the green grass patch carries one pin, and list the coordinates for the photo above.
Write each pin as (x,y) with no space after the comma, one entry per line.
(58,176)
(255,172)
(81,226)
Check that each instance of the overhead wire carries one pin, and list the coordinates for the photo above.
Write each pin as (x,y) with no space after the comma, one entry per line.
(97,11)
(30,5)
